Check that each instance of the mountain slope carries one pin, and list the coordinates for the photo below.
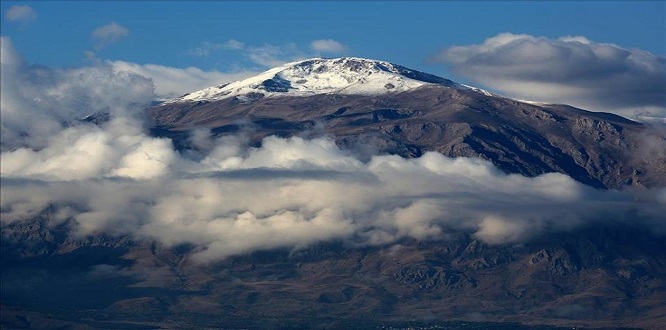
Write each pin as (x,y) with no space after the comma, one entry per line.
(597,272)
(423,113)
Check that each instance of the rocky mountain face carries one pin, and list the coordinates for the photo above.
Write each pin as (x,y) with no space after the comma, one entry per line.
(604,276)
(426,114)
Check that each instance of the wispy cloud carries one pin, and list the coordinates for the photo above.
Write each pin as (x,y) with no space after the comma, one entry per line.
(328,46)
(272,55)
(572,70)
(206,48)
(266,55)
(108,34)
(269,55)
(20,13)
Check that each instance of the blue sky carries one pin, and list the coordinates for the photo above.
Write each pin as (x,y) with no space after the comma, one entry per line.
(402,32)
(241,38)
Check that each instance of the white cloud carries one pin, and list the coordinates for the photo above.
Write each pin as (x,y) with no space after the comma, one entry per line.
(206,47)
(108,34)
(493,229)
(571,70)
(269,55)
(233,44)
(38,102)
(9,57)
(292,193)
(228,198)
(172,82)
(328,46)
(20,13)
(36,98)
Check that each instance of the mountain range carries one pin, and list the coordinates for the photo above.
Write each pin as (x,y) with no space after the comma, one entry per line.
(601,274)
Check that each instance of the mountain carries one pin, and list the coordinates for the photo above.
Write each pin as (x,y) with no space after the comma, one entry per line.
(377,106)
(602,274)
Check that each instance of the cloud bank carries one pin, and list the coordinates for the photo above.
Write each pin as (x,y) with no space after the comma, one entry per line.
(571,70)
(228,198)
(291,193)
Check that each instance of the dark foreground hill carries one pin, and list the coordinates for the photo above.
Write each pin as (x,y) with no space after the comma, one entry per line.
(595,277)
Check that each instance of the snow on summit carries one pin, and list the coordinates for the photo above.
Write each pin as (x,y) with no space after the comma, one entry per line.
(346,75)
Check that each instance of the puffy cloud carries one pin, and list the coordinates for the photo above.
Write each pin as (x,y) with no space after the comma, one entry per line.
(45,100)
(38,102)
(570,70)
(108,34)
(172,82)
(20,13)
(328,46)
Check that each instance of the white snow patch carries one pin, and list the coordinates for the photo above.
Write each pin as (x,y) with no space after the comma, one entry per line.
(347,75)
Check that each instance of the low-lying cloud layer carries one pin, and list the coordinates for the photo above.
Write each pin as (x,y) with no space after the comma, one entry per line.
(228,198)
(570,70)
(291,193)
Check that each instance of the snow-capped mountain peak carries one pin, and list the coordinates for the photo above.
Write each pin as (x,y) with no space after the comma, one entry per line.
(346,75)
